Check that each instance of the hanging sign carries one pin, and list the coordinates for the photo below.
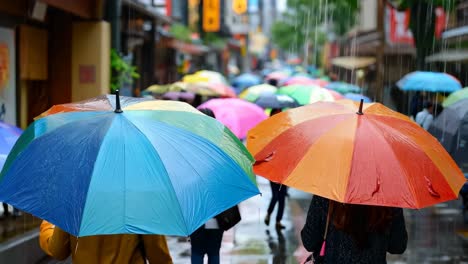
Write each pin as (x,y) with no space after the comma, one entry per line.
(211,16)
(239,6)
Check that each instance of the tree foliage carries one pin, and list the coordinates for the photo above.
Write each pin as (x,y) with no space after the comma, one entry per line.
(122,72)
(311,20)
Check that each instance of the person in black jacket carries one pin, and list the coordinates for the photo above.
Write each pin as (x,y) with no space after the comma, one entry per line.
(356,233)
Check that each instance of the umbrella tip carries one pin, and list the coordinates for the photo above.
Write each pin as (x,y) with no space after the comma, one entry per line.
(359,112)
(117,102)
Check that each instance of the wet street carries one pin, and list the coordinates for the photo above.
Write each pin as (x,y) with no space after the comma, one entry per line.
(437,235)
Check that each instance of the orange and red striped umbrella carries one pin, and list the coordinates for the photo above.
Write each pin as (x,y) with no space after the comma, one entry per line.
(377,157)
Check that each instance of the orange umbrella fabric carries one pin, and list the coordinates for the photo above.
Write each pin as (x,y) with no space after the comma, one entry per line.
(379,157)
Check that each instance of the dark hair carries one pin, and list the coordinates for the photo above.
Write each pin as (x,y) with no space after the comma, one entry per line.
(207,112)
(273,82)
(275,111)
(428,104)
(359,221)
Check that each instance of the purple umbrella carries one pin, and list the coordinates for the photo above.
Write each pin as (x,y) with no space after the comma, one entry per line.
(177,96)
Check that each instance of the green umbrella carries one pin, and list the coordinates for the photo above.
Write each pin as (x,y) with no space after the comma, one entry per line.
(455,97)
(307,94)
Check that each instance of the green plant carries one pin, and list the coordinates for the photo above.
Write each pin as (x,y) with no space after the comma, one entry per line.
(180,32)
(122,73)
(214,40)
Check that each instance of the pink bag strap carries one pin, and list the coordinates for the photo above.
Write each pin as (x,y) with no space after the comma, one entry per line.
(322,250)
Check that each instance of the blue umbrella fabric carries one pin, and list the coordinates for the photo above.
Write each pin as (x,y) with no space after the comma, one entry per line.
(357,97)
(429,81)
(277,101)
(244,81)
(147,167)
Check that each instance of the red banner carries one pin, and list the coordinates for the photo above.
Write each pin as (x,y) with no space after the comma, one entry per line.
(397,25)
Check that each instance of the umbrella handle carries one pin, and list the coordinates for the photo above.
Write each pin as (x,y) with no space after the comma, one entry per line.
(117,110)
(359,112)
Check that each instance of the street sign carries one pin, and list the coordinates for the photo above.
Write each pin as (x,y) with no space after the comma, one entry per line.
(239,6)
(211,16)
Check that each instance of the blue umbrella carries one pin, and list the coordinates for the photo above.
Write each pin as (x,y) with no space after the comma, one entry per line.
(244,81)
(147,167)
(357,97)
(429,81)
(278,101)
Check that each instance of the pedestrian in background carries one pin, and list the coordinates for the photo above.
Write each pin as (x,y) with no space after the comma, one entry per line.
(104,249)
(207,239)
(278,195)
(353,233)
(425,117)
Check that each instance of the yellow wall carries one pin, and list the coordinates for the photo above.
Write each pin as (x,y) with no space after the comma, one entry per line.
(90,59)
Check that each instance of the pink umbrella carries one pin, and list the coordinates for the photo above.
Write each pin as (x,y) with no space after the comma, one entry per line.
(335,94)
(277,75)
(238,115)
(305,81)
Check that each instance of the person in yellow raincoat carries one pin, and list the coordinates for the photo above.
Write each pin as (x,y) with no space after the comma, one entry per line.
(103,249)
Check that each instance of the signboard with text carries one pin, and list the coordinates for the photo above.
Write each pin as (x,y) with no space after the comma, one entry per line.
(211,15)
(397,25)
(7,76)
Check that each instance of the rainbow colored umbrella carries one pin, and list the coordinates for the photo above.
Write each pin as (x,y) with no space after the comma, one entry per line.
(251,94)
(359,154)
(455,97)
(236,114)
(307,94)
(129,166)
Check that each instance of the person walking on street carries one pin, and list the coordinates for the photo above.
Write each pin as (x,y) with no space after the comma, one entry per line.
(278,195)
(353,233)
(425,117)
(207,239)
(104,249)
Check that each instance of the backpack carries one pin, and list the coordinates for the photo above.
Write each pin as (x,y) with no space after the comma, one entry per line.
(229,218)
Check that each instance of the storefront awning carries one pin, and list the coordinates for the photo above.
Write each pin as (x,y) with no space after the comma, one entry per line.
(448,56)
(188,48)
(352,62)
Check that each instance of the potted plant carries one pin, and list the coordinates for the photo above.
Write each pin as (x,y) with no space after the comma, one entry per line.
(122,74)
